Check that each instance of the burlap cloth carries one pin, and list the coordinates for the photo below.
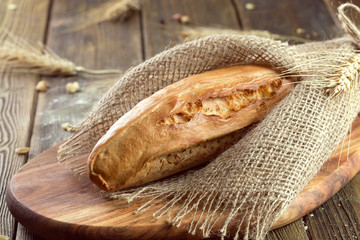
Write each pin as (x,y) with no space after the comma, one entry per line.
(247,187)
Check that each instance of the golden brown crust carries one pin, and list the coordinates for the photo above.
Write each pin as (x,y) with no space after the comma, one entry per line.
(146,143)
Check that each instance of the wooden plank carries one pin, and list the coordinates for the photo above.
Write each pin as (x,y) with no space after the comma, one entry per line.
(162,31)
(338,218)
(17,97)
(108,45)
(56,106)
(102,46)
(23,233)
(294,231)
(288,18)
(351,192)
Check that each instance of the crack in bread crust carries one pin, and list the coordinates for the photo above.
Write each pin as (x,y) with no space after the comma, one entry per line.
(224,106)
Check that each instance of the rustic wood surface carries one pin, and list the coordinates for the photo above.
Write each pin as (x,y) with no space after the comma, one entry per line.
(28,118)
(17,102)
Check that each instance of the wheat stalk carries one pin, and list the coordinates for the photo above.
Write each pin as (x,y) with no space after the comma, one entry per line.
(20,56)
(111,10)
(192,33)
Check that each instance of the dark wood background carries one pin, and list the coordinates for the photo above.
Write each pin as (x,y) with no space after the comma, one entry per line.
(28,118)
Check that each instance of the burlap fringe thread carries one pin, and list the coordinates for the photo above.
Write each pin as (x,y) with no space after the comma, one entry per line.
(244,190)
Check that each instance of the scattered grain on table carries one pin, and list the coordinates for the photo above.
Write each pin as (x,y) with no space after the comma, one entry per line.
(12,7)
(72,87)
(21,150)
(300,31)
(67,127)
(42,86)
(185,19)
(250,6)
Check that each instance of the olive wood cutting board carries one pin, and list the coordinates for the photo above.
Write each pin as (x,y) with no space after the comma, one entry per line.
(48,199)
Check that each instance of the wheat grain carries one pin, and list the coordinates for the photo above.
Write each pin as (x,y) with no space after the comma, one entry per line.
(67,127)
(72,87)
(12,7)
(22,150)
(42,86)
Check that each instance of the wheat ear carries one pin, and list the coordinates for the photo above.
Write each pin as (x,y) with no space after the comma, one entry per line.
(17,55)
(111,10)
(348,77)
(191,33)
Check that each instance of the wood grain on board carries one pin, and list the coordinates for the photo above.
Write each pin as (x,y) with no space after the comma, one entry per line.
(75,210)
(17,100)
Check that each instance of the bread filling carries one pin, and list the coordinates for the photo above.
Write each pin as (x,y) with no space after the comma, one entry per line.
(224,106)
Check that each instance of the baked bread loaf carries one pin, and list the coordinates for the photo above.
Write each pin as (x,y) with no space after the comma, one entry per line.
(179,126)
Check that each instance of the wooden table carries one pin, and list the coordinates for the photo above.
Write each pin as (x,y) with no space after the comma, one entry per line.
(28,118)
